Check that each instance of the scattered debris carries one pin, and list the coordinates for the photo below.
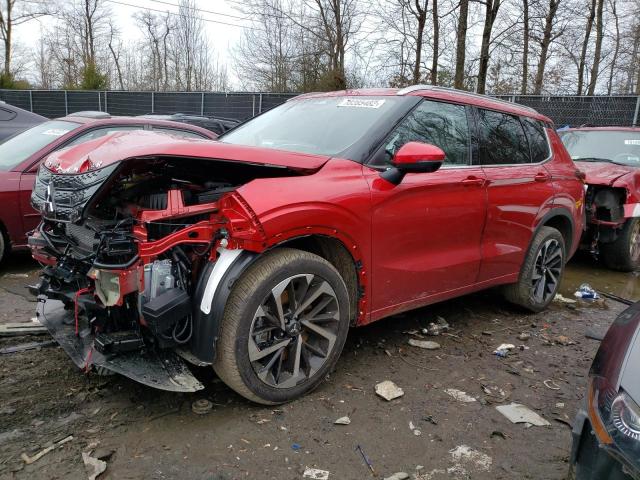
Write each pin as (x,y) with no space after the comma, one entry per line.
(416,431)
(498,433)
(563,340)
(315,474)
(425,344)
(366,459)
(497,394)
(560,405)
(201,406)
(467,455)
(435,329)
(518,413)
(430,419)
(551,385)
(388,390)
(15,275)
(23,347)
(459,395)
(586,292)
(296,447)
(29,460)
(624,301)
(398,476)
(503,350)
(93,466)
(595,334)
(18,329)
(559,298)
(524,336)
(343,421)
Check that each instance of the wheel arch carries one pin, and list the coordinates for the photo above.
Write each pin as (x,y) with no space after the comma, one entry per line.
(561,220)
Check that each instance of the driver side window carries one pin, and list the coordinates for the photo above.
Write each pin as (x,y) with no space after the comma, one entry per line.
(441,124)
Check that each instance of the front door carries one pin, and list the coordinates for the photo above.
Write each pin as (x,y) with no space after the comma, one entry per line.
(427,229)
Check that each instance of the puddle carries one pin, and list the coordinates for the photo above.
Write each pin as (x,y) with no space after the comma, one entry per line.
(583,269)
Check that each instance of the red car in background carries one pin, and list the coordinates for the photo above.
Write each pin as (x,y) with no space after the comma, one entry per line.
(610,158)
(257,252)
(21,155)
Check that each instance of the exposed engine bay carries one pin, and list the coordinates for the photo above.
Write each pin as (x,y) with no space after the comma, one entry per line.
(125,249)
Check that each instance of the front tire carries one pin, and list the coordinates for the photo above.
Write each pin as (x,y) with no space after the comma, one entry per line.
(624,254)
(284,327)
(541,271)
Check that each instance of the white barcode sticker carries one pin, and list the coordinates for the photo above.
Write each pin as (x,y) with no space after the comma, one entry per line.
(361,103)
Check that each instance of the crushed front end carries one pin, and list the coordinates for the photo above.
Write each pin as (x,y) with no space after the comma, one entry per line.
(124,248)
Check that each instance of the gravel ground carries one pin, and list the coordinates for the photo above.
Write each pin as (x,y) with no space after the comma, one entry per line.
(146,433)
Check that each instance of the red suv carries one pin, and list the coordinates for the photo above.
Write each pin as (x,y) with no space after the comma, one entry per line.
(21,155)
(255,254)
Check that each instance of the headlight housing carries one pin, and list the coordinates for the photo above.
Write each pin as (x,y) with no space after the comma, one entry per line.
(615,418)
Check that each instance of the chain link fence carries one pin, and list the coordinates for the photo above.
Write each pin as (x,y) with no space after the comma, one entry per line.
(563,110)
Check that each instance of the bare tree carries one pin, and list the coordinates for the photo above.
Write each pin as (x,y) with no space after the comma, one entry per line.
(436,42)
(616,49)
(491,13)
(525,47)
(12,14)
(595,67)
(548,37)
(585,43)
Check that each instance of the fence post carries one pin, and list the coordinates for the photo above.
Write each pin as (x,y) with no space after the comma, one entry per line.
(66,104)
(253,105)
(31,100)
(99,101)
(260,105)
(153,102)
(635,115)
(202,104)
(106,105)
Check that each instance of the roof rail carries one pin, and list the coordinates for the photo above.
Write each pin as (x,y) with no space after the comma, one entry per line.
(436,88)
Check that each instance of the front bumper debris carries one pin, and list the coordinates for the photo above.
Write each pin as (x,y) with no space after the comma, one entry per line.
(161,369)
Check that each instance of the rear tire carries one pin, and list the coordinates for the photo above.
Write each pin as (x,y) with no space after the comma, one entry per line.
(273,349)
(3,247)
(541,271)
(624,254)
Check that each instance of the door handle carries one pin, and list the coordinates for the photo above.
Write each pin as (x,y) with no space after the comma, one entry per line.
(472,180)
(541,177)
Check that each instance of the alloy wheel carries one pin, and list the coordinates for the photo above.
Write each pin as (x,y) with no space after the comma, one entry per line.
(634,243)
(547,271)
(294,331)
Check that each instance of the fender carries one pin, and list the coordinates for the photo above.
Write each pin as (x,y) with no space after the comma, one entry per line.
(210,297)
(557,212)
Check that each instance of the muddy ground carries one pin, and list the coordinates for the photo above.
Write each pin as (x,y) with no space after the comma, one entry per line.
(155,435)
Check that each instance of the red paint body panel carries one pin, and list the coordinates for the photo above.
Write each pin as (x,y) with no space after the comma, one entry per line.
(16,184)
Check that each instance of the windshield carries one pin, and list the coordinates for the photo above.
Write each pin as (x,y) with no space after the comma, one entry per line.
(621,147)
(18,148)
(322,126)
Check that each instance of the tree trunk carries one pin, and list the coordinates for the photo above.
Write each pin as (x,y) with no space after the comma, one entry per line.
(616,49)
(421,16)
(544,45)
(461,44)
(595,68)
(585,44)
(491,12)
(7,40)
(525,49)
(436,39)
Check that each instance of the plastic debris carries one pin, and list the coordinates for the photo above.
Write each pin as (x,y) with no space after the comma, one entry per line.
(562,299)
(436,328)
(425,344)
(563,340)
(296,447)
(201,407)
(459,395)
(93,466)
(416,431)
(586,292)
(518,413)
(398,476)
(388,390)
(366,459)
(468,456)
(503,350)
(551,385)
(315,474)
(343,421)
(29,460)
(524,336)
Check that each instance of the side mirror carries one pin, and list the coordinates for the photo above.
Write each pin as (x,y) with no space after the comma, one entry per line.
(414,157)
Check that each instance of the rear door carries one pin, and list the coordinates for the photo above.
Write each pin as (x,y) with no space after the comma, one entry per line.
(427,229)
(519,191)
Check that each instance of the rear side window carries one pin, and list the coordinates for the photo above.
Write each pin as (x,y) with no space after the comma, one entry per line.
(538,144)
(502,139)
(441,124)
(101,132)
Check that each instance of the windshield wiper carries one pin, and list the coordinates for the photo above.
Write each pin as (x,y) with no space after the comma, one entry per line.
(596,159)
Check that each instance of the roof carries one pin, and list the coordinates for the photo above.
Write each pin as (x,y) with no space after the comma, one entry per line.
(438,93)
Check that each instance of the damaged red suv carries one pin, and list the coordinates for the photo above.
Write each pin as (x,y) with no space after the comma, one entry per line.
(255,254)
